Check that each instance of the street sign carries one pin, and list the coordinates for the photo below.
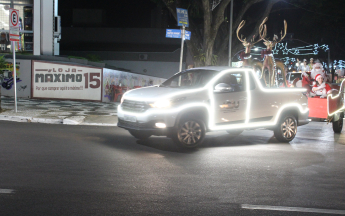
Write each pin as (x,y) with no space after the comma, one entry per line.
(14,17)
(176,33)
(182,17)
(173,33)
(14,36)
(14,24)
(187,35)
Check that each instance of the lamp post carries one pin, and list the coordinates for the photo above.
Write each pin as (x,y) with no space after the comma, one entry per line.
(230,31)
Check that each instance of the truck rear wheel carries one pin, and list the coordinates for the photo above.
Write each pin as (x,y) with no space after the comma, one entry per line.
(286,129)
(139,134)
(190,133)
(338,125)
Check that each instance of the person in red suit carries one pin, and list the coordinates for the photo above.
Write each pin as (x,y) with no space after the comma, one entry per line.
(320,89)
(306,81)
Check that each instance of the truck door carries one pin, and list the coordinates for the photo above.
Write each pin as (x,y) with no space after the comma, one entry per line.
(230,99)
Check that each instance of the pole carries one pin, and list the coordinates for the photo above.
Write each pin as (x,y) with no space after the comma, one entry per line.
(14,75)
(330,68)
(182,42)
(230,31)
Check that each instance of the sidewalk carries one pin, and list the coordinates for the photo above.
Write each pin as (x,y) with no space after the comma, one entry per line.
(59,112)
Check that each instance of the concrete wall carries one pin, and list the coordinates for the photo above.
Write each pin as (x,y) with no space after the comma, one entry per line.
(117,35)
(156,69)
(116,83)
(46,30)
(173,56)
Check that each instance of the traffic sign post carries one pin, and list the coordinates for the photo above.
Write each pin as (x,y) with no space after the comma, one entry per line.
(176,33)
(14,36)
(182,43)
(182,20)
(182,17)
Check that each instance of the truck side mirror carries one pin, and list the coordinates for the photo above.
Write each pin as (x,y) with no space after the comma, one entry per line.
(223,87)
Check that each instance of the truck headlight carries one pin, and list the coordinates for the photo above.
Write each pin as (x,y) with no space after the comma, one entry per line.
(161,104)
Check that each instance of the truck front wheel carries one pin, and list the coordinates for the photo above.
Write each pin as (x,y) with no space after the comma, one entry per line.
(286,129)
(190,133)
(338,125)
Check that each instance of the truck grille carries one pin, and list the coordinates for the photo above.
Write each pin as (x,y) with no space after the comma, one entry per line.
(134,106)
(134,125)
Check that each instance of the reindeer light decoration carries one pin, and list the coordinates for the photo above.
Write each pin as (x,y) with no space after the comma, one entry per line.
(247,45)
(270,64)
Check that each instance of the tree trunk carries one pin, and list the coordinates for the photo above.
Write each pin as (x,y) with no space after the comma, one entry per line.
(208,53)
(204,40)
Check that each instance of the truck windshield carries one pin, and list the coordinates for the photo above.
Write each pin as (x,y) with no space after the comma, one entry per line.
(190,79)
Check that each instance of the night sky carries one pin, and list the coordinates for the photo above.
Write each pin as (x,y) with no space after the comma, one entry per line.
(119,13)
(324,26)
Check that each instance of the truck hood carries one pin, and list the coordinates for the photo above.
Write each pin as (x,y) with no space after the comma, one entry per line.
(156,93)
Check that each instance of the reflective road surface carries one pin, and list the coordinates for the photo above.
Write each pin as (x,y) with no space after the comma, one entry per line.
(87,170)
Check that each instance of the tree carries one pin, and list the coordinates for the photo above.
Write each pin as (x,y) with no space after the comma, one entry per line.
(2,65)
(205,23)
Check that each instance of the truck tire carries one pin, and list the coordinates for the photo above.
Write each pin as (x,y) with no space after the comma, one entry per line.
(234,132)
(286,129)
(139,134)
(189,133)
(338,125)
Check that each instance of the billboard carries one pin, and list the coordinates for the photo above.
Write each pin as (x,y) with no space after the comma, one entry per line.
(66,81)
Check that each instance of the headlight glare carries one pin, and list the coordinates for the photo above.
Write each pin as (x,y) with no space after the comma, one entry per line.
(161,104)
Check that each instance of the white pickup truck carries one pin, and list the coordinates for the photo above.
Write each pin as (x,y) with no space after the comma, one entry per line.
(198,100)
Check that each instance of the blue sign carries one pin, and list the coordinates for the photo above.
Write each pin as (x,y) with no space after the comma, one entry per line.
(182,17)
(176,33)
(187,35)
(173,33)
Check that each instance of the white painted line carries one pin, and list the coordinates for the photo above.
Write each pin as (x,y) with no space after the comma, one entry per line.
(6,191)
(293,209)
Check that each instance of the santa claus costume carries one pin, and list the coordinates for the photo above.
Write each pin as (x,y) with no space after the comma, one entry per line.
(320,89)
(306,81)
(318,69)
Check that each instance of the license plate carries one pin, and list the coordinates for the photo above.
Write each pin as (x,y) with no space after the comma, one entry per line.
(130,118)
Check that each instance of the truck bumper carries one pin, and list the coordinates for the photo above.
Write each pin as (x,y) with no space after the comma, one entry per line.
(146,121)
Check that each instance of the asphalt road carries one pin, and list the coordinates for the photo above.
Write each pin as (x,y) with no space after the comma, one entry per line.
(86,170)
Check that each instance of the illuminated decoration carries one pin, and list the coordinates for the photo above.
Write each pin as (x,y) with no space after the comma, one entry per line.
(333,97)
(339,64)
(248,57)
(281,48)
(305,50)
(211,107)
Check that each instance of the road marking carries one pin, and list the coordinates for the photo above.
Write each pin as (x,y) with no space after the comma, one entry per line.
(293,209)
(6,191)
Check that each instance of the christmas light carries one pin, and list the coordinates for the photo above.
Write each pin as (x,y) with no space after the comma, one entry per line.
(211,107)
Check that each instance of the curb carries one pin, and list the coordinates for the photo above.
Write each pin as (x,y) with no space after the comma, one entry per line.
(30,119)
(74,120)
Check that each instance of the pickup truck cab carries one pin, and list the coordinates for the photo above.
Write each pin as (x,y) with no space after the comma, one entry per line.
(198,100)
